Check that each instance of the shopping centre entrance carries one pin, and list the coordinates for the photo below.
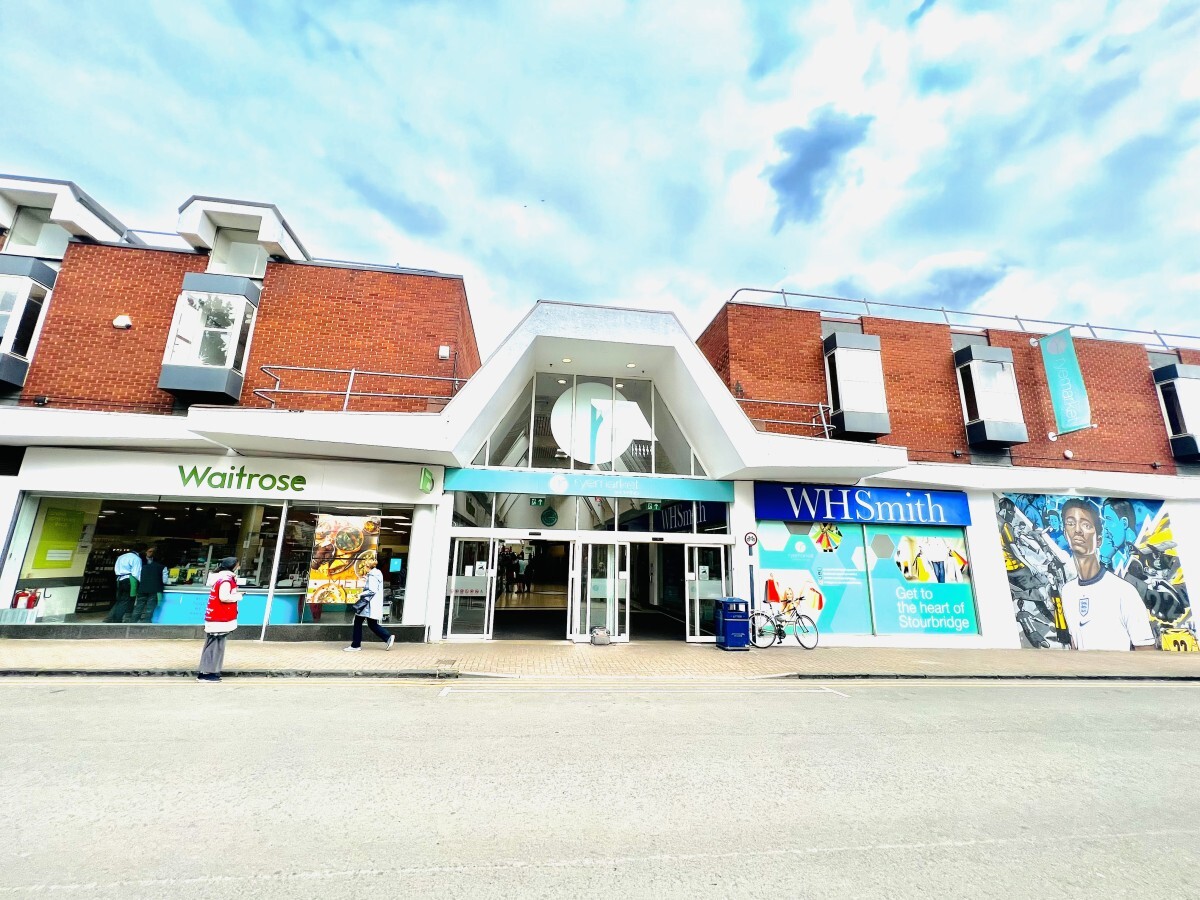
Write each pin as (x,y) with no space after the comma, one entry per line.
(639,587)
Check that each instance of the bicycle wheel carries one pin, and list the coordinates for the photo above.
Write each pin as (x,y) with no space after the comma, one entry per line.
(763,630)
(806,632)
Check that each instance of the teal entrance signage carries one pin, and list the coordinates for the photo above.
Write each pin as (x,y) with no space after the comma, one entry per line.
(586,484)
(1072,412)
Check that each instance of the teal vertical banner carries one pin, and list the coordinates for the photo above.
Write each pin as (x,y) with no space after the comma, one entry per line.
(1072,412)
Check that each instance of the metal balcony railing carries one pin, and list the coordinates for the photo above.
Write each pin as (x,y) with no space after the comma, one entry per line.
(270,394)
(818,415)
(962,319)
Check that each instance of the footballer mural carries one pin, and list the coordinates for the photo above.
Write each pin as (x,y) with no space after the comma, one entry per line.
(1094,573)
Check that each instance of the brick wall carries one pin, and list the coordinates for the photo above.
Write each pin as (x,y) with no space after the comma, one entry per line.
(81,361)
(337,318)
(1131,433)
(923,399)
(775,354)
(309,315)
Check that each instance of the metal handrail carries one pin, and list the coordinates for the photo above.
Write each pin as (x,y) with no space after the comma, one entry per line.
(273,371)
(1159,337)
(820,422)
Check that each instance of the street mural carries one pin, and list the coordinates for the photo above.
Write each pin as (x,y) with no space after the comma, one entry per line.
(1094,573)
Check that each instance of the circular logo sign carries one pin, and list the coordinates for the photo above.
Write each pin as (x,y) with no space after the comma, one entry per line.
(549,517)
(751,538)
(583,421)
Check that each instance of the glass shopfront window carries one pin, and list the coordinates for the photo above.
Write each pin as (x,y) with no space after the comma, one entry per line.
(69,569)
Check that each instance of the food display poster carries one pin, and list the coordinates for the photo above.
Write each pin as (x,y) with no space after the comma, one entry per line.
(343,548)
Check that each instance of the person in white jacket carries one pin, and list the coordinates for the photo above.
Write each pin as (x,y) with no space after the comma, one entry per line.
(372,612)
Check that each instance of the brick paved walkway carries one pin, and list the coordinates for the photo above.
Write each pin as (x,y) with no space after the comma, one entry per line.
(529,659)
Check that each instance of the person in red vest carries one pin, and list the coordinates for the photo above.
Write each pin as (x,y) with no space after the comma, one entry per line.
(220,618)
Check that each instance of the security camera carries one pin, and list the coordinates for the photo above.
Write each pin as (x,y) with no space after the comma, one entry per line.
(123,322)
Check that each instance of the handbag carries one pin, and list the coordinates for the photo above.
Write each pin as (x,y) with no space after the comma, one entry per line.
(363,603)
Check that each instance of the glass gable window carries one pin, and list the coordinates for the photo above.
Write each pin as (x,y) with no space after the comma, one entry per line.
(210,330)
(33,234)
(21,303)
(590,422)
(238,252)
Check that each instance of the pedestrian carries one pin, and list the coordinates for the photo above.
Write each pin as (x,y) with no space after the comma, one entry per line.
(369,606)
(220,618)
(149,588)
(128,569)
(522,568)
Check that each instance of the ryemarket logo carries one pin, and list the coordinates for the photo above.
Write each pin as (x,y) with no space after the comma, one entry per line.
(238,479)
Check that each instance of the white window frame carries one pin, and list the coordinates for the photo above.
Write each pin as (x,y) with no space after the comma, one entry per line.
(985,414)
(1187,393)
(181,306)
(221,245)
(25,288)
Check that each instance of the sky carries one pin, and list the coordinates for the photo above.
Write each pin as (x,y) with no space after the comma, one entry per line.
(995,156)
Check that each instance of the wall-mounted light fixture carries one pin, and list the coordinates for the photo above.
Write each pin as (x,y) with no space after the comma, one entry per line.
(123,322)
(444,352)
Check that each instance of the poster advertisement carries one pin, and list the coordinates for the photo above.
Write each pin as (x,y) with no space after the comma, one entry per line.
(920,580)
(342,548)
(62,532)
(820,567)
(1094,573)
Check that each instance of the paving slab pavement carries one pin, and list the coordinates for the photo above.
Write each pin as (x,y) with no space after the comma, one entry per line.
(559,659)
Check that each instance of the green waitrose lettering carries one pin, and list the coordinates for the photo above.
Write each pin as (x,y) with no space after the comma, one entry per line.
(239,479)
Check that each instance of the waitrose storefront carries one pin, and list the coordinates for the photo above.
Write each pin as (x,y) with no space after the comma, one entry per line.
(302,530)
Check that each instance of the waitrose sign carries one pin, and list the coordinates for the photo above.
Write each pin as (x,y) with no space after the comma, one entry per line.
(238,479)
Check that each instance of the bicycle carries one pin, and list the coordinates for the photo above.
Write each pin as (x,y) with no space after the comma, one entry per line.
(768,629)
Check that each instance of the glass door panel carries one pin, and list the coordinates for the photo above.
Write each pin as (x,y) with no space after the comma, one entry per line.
(471,589)
(706,580)
(602,591)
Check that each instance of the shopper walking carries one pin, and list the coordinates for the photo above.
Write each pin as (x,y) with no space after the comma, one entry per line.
(369,606)
(219,619)
(128,569)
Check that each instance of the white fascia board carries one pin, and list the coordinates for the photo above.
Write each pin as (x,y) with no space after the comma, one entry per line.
(388,437)
(48,427)
(66,210)
(1028,480)
(199,221)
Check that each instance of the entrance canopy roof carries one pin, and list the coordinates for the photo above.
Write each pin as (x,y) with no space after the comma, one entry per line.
(597,341)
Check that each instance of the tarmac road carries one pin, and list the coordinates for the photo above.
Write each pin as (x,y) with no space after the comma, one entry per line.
(492,788)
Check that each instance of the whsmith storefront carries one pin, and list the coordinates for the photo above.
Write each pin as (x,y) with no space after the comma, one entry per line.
(301,530)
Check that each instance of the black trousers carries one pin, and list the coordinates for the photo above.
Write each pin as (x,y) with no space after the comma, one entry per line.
(380,632)
(124,603)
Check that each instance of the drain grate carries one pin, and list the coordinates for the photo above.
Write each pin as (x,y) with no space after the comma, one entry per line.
(446,662)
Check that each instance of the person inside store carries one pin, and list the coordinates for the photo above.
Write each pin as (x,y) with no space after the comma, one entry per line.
(369,606)
(128,569)
(1103,612)
(149,587)
(220,618)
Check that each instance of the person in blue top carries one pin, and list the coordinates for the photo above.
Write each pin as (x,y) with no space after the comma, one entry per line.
(128,569)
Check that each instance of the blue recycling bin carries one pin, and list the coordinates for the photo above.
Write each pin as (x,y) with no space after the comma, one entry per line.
(732,624)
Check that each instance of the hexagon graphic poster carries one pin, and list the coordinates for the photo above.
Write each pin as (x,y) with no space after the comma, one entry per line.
(920,580)
(821,567)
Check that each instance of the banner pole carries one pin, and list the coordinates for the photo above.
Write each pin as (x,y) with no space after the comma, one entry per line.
(262,636)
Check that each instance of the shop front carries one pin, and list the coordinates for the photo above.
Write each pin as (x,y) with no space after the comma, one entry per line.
(868,561)
(303,532)
(558,554)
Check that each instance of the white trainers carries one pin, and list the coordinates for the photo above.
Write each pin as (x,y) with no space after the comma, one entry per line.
(351,649)
(391,640)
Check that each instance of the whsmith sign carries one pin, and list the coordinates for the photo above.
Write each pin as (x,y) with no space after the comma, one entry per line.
(838,503)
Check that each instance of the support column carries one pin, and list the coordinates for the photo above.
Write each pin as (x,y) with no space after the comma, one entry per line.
(741,523)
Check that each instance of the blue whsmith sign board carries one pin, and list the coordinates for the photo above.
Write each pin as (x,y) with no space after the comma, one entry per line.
(841,503)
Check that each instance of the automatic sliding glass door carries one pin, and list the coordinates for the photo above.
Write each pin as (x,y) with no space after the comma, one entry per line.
(471,589)
(706,579)
(601,591)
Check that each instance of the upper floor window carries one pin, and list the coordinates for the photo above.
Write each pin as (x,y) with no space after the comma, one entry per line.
(33,234)
(21,303)
(987,383)
(210,330)
(238,252)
